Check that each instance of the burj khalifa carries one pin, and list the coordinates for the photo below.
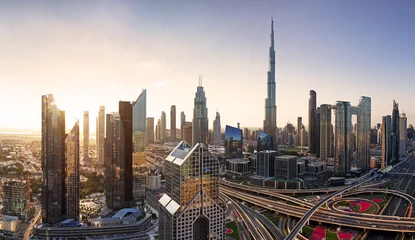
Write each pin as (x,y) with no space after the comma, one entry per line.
(270,122)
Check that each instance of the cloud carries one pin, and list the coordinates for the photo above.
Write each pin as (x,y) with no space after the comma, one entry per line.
(162,83)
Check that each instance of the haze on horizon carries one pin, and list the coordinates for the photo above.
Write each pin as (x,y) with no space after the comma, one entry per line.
(96,53)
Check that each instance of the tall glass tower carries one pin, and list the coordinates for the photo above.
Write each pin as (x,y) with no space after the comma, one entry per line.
(270,122)
(200,117)
(71,174)
(139,122)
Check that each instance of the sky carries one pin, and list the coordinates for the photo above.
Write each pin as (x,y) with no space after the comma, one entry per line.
(92,53)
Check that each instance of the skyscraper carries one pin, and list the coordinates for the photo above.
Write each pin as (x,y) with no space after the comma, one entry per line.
(299,126)
(342,138)
(182,121)
(163,126)
(233,142)
(317,131)
(112,159)
(386,132)
(52,157)
(395,132)
(363,133)
(200,124)
(139,122)
(158,127)
(71,174)
(190,208)
(270,122)
(86,136)
(173,122)
(126,171)
(403,135)
(325,132)
(312,102)
(217,130)
(100,135)
(150,130)
(187,131)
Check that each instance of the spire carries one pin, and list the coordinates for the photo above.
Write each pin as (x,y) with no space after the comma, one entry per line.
(272,32)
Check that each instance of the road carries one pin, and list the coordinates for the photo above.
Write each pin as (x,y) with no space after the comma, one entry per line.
(34,221)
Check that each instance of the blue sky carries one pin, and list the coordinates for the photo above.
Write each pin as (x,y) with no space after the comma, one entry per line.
(99,52)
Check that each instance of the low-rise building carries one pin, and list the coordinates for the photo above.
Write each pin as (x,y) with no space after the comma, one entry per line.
(238,166)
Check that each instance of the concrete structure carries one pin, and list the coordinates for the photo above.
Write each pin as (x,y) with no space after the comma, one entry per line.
(286,167)
(15,199)
(312,102)
(217,131)
(316,168)
(187,131)
(342,138)
(270,122)
(395,132)
(299,127)
(386,140)
(85,144)
(182,121)
(158,130)
(190,208)
(100,135)
(265,164)
(173,123)
(9,223)
(150,130)
(71,174)
(52,158)
(403,135)
(153,180)
(325,132)
(200,126)
(139,108)
(163,135)
(237,166)
(363,126)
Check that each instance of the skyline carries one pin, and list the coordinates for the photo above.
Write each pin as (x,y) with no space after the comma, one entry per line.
(114,50)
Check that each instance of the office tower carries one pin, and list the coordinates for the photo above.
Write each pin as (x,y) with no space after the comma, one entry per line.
(150,130)
(16,198)
(363,133)
(182,121)
(187,131)
(71,174)
(112,160)
(395,132)
(163,126)
(246,134)
(270,122)
(200,117)
(233,142)
(52,157)
(317,131)
(86,136)
(312,122)
(139,122)
(386,140)
(126,171)
(173,123)
(100,134)
(265,164)
(342,138)
(403,135)
(158,127)
(190,208)
(304,137)
(285,167)
(217,133)
(210,137)
(139,178)
(325,132)
(299,126)
(265,142)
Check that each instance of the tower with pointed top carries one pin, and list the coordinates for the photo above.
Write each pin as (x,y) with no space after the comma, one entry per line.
(270,122)
(200,117)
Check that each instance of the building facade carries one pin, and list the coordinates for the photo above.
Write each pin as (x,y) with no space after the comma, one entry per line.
(163,134)
(71,174)
(265,163)
(386,133)
(312,102)
(217,133)
(16,198)
(233,142)
(286,167)
(139,108)
(343,124)
(100,135)
(403,135)
(173,123)
(190,208)
(86,136)
(395,132)
(325,132)
(200,126)
(150,130)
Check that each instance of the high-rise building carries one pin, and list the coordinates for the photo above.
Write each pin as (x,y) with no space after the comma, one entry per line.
(395,132)
(173,122)
(190,208)
(182,121)
(247,134)
(312,102)
(16,198)
(158,127)
(403,135)
(139,122)
(52,157)
(386,133)
(233,142)
(304,137)
(285,167)
(317,131)
(86,136)
(187,131)
(270,122)
(71,174)
(217,133)
(299,126)
(200,126)
(325,132)
(112,160)
(343,124)
(363,133)
(163,135)
(150,130)
(100,135)
(126,171)
(265,163)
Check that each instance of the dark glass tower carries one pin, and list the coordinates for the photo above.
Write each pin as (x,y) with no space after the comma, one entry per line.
(312,102)
(71,174)
(395,132)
